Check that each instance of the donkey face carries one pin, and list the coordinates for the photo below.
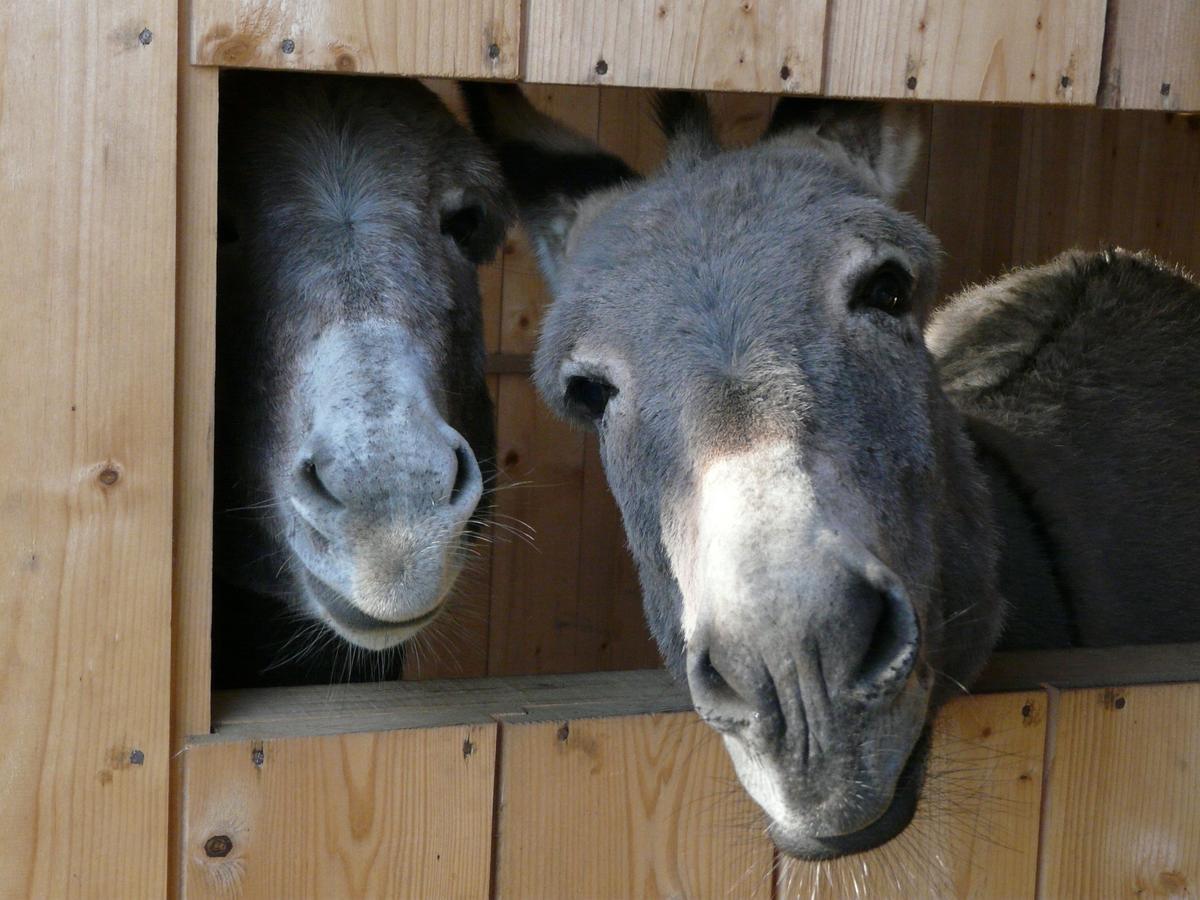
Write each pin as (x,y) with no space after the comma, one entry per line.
(353,394)
(744,333)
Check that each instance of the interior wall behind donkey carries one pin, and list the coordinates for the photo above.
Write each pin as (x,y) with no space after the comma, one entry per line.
(999,186)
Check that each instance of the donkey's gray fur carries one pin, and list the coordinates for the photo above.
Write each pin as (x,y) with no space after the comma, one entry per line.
(830,512)
(355,212)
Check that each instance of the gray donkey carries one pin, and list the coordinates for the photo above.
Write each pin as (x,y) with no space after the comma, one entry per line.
(837,507)
(353,412)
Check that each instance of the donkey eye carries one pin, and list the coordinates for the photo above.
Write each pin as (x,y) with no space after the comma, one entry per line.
(462,224)
(589,396)
(888,288)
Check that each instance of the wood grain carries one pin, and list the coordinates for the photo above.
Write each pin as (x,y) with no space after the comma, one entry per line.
(195,358)
(1120,813)
(87,280)
(976,829)
(965,50)
(1152,55)
(386,814)
(1016,186)
(744,45)
(641,806)
(446,38)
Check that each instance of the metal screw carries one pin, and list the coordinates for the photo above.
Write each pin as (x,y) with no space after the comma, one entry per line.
(217,846)
(1165,90)
(1065,81)
(1119,703)
(258,757)
(912,82)
(146,36)
(494,52)
(602,68)
(288,45)
(1027,710)
(137,757)
(785,73)
(564,731)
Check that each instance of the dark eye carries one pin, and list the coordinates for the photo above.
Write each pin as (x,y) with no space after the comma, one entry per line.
(462,224)
(589,396)
(888,288)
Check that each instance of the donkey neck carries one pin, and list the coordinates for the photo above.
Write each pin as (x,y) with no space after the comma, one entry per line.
(1039,609)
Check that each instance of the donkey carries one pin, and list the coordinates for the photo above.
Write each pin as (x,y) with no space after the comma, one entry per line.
(836,514)
(353,412)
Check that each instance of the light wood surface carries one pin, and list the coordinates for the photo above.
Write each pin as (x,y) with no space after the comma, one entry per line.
(965,50)
(1121,811)
(643,806)
(1152,55)
(87,281)
(195,357)
(746,45)
(447,38)
(975,833)
(391,814)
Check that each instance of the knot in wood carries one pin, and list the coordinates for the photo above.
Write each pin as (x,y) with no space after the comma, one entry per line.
(218,846)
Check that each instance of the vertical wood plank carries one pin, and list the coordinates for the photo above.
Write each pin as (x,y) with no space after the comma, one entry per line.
(383,814)
(436,38)
(1152,55)
(195,360)
(535,557)
(641,806)
(87,280)
(1120,813)
(965,50)
(734,45)
(975,833)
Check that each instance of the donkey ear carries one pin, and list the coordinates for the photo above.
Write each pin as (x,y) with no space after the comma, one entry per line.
(557,177)
(687,123)
(878,142)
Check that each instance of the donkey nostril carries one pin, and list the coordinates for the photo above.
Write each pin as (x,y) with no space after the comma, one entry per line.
(310,478)
(891,648)
(709,676)
(462,473)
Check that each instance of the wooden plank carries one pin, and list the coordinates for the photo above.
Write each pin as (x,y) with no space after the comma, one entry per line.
(975,833)
(974,155)
(965,50)
(746,45)
(1120,813)
(629,807)
(1152,55)
(436,38)
(87,280)
(1083,667)
(393,814)
(1017,186)
(195,360)
(386,706)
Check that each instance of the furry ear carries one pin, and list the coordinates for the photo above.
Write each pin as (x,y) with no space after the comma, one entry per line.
(687,123)
(878,143)
(558,178)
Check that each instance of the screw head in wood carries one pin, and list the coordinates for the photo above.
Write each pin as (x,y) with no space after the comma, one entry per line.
(287,45)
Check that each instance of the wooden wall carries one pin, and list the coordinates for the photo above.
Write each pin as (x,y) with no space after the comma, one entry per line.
(1084,793)
(87,286)
(999,187)
(1131,54)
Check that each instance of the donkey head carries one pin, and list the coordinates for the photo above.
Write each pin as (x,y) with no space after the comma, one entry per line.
(744,332)
(353,399)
